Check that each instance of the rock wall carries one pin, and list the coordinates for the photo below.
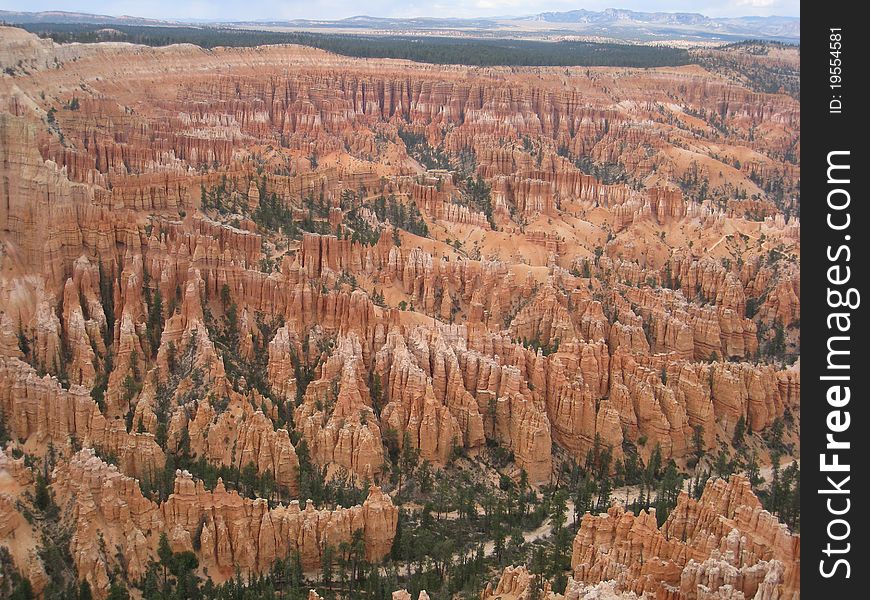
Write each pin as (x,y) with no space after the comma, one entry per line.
(177,278)
(230,531)
(725,544)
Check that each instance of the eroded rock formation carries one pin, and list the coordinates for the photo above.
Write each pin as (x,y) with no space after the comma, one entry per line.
(231,260)
(724,544)
(229,531)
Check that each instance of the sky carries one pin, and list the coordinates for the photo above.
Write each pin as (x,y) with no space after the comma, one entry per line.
(251,10)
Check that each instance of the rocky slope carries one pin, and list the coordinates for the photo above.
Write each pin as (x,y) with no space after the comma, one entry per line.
(274,261)
(724,545)
(721,546)
(228,531)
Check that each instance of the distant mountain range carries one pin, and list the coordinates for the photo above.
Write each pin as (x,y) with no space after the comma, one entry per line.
(762,27)
(62,16)
(610,23)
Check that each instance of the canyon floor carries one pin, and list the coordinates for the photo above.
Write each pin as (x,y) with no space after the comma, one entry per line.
(275,320)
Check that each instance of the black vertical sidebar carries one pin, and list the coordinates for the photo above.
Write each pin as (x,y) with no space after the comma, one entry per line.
(835,227)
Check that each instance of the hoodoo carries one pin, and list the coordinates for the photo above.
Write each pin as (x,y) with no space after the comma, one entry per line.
(281,322)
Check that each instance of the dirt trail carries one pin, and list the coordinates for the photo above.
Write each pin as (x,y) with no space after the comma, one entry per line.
(539,533)
(722,239)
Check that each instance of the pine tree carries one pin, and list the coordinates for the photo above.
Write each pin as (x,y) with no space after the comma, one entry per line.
(42,496)
(739,432)
(164,553)
(753,471)
(154,324)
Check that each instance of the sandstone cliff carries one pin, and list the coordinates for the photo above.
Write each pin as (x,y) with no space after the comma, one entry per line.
(723,543)
(230,256)
(230,531)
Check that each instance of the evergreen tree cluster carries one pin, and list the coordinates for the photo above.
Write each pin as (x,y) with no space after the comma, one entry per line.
(385,209)
(428,49)
(423,152)
(477,194)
